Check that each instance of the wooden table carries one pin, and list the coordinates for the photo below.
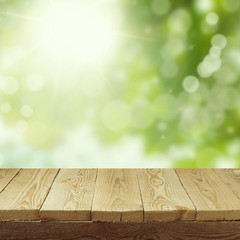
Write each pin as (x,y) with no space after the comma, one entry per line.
(98,204)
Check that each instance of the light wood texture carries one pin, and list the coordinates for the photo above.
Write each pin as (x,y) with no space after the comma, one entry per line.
(23,197)
(213,199)
(71,195)
(163,196)
(120,195)
(6,175)
(77,230)
(117,196)
(231,177)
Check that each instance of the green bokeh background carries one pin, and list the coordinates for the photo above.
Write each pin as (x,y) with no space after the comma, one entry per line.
(136,109)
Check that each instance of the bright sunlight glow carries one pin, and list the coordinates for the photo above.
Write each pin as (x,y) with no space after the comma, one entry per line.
(75,30)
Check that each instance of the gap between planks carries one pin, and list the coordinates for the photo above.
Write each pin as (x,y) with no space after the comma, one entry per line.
(141,197)
(213,198)
(23,196)
(71,195)
(164,198)
(12,173)
(47,194)
(195,217)
(93,196)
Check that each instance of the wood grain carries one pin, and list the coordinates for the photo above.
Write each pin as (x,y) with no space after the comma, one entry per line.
(62,230)
(6,175)
(114,194)
(71,195)
(117,196)
(231,177)
(23,197)
(163,196)
(213,199)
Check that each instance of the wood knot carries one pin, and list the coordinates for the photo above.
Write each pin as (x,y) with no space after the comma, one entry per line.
(151,236)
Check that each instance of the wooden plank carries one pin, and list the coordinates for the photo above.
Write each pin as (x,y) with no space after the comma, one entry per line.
(23,197)
(212,198)
(163,196)
(71,195)
(117,196)
(6,175)
(231,177)
(75,230)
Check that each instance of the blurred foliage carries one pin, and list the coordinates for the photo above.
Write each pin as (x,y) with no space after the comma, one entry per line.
(166,96)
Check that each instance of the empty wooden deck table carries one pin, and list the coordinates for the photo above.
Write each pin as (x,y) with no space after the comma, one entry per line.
(98,204)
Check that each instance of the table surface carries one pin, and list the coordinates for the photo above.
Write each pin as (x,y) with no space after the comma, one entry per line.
(119,195)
